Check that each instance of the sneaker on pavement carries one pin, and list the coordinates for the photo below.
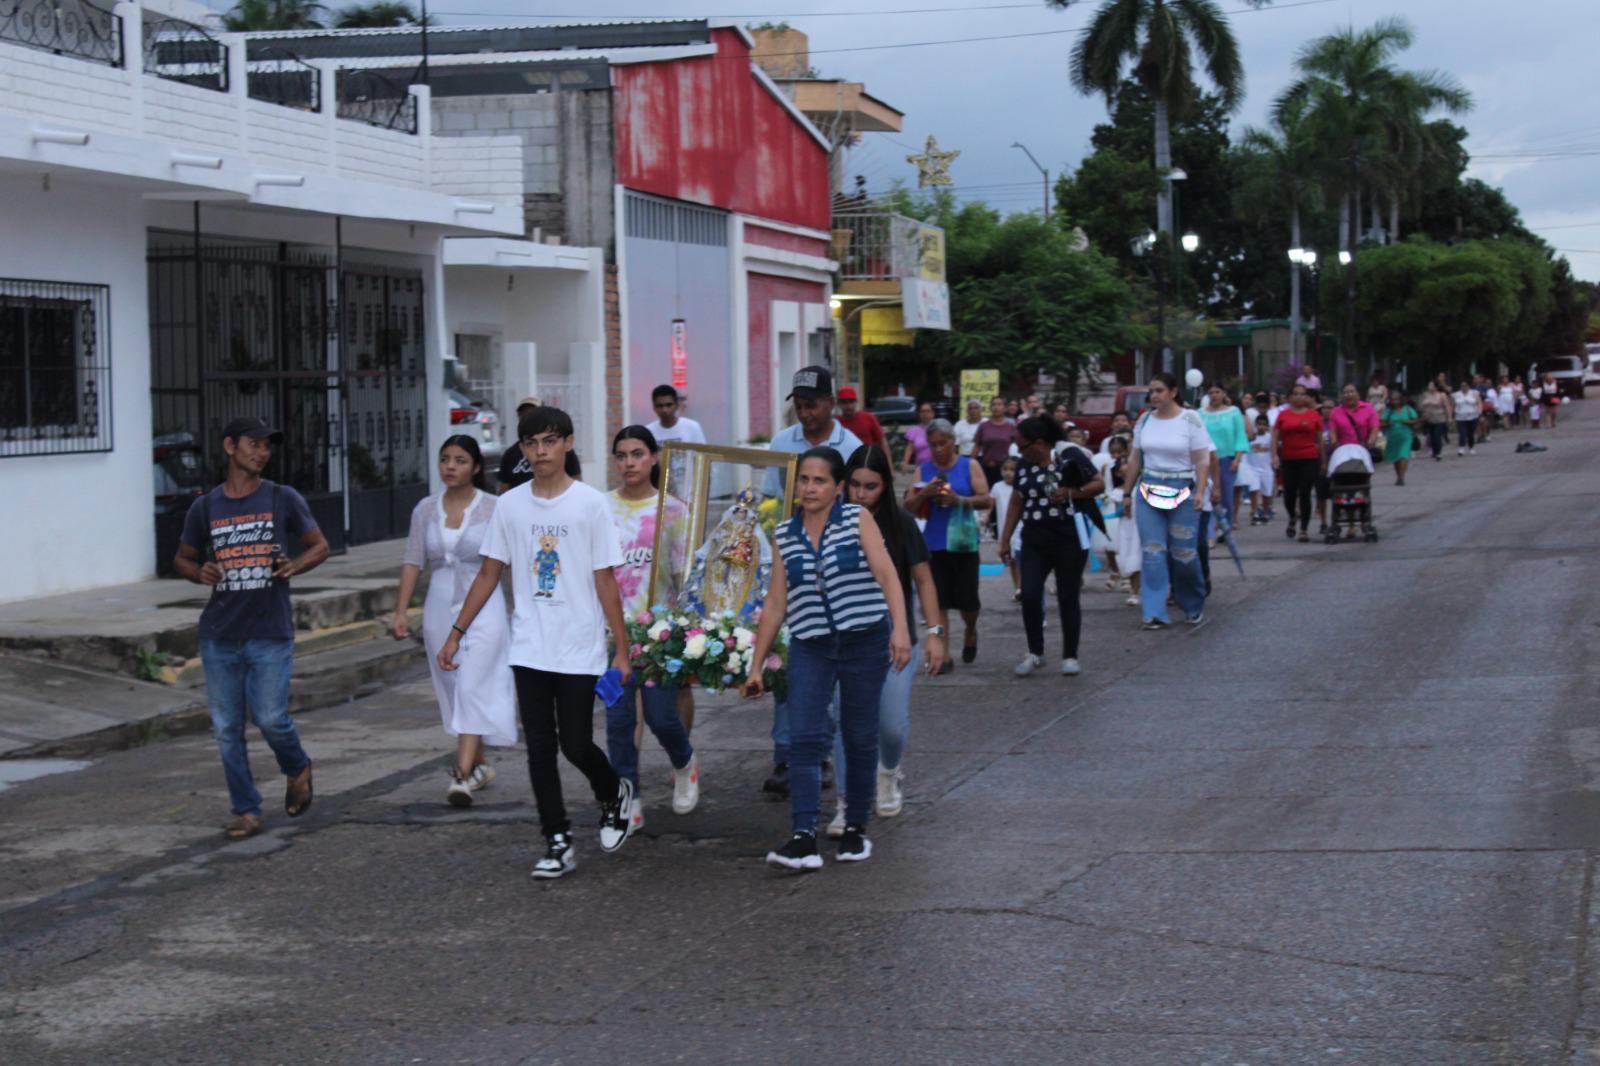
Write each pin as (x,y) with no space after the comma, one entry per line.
(1132,601)
(891,791)
(1196,620)
(1030,662)
(777,782)
(854,845)
(559,857)
(482,775)
(614,815)
(635,815)
(1154,624)
(1070,668)
(686,787)
(800,853)
(459,794)
(836,827)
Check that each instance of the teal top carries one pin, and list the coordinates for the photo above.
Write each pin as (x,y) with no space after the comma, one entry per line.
(1227,431)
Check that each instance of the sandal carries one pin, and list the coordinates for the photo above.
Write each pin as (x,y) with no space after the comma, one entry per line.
(969,652)
(297,797)
(242,828)
(1304,538)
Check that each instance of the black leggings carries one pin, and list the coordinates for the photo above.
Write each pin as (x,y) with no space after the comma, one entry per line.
(558,713)
(1044,551)
(1299,478)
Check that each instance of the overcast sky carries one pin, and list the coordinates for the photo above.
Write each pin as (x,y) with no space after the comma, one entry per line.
(1528,65)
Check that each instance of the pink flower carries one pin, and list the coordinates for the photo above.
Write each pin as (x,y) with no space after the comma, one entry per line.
(695,632)
(772,663)
(635,650)
(645,618)
(650,683)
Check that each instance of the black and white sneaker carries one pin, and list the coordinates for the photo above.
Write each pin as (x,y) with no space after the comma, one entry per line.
(800,853)
(854,845)
(614,817)
(559,857)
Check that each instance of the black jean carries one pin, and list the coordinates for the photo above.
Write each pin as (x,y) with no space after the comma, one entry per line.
(1299,478)
(558,714)
(1045,551)
(1466,432)
(1436,436)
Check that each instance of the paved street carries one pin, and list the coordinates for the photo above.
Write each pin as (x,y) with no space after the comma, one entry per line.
(1352,818)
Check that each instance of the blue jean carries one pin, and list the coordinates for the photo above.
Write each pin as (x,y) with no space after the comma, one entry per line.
(894,715)
(1228,476)
(857,661)
(660,714)
(253,675)
(780,732)
(1170,534)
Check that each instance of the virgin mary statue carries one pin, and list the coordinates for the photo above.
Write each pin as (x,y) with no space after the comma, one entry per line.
(733,567)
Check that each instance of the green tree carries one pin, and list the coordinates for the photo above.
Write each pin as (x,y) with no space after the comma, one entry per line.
(378,14)
(1160,39)
(248,15)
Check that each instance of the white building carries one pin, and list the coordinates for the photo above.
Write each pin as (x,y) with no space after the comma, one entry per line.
(190,236)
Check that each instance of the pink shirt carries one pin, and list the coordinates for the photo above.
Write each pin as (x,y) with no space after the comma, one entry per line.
(1356,429)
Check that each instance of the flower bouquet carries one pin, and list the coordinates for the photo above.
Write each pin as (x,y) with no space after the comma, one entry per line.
(667,648)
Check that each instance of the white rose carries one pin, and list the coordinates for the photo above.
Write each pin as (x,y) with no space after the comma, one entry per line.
(695,647)
(659,632)
(743,638)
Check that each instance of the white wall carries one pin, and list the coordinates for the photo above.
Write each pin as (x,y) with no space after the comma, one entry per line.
(76,521)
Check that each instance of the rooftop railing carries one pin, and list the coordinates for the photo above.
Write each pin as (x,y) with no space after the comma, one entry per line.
(377,99)
(182,51)
(75,28)
(280,77)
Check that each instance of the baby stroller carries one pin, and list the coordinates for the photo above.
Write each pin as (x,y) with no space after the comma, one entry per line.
(1350,484)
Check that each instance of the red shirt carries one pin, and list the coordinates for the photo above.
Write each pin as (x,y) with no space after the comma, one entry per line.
(864,424)
(1298,434)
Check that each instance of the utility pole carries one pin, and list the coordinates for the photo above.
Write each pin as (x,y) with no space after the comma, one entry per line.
(1043,171)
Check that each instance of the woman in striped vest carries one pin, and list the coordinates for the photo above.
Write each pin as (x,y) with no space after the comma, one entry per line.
(834,583)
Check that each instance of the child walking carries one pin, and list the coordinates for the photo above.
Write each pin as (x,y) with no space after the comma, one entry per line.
(558,538)
(1261,466)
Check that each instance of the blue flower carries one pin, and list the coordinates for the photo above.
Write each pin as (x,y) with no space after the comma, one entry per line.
(674,665)
(727,614)
(659,608)
(715,648)
(727,679)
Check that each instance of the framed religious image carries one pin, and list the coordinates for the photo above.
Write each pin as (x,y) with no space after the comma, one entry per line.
(715,517)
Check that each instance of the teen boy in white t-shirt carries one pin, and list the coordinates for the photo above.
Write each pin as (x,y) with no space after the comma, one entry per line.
(557,536)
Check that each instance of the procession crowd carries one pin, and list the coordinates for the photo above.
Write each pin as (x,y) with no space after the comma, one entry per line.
(854,568)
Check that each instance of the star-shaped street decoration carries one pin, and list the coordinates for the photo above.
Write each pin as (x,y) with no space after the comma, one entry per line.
(933,166)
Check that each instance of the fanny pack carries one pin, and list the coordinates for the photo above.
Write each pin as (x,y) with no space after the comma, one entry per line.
(1163,497)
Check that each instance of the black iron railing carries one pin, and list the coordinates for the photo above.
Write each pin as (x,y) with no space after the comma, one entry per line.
(65,28)
(181,51)
(283,78)
(378,99)
(55,367)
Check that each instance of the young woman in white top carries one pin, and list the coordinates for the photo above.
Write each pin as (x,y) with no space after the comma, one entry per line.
(1467,408)
(478,702)
(1167,480)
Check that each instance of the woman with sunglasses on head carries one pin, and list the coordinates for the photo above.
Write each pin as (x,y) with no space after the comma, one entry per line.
(1051,488)
(478,701)
(634,510)
(835,585)
(1166,478)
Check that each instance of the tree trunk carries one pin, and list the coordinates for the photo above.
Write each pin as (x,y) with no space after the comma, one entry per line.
(1294,288)
(1163,168)
(1344,221)
(1347,356)
(1377,217)
(1394,218)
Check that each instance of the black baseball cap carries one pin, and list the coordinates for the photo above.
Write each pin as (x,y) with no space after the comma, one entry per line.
(811,383)
(251,427)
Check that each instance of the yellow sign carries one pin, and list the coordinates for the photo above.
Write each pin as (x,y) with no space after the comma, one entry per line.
(930,261)
(980,385)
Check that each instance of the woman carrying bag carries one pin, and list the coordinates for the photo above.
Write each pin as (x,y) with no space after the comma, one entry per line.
(951,490)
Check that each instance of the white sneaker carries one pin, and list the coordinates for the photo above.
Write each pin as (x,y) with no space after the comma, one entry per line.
(836,827)
(686,787)
(636,816)
(891,792)
(482,774)
(614,816)
(1472,451)
(1028,665)
(1461,451)
(1131,601)
(559,858)
(1070,668)
(459,794)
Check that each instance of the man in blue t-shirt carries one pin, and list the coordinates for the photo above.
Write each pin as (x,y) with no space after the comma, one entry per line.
(235,539)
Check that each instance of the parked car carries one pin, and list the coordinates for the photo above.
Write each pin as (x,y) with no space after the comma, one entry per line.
(479,419)
(1568,371)
(895,410)
(1592,375)
(1095,409)
(179,480)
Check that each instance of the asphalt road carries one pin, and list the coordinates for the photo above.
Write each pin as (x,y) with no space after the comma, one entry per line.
(1353,818)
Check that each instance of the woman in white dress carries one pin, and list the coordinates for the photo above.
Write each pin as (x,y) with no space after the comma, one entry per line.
(477,701)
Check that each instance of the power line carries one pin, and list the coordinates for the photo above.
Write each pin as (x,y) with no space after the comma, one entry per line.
(1565,225)
(748,14)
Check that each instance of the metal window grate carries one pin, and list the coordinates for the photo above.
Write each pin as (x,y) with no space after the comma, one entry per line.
(668,220)
(55,368)
(377,99)
(181,51)
(278,76)
(74,28)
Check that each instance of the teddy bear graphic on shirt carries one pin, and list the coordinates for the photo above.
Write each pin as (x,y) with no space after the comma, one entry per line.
(546,566)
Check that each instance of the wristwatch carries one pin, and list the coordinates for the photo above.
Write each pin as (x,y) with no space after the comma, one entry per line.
(936,631)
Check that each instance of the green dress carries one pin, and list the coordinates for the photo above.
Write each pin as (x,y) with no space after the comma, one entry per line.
(1398,438)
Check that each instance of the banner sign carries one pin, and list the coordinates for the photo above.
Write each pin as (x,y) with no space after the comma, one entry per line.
(980,385)
(680,355)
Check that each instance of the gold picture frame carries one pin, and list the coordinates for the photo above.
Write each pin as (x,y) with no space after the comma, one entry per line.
(687,475)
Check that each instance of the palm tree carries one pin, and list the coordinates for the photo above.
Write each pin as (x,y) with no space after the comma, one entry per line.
(1159,38)
(1282,175)
(1361,107)
(379,13)
(247,15)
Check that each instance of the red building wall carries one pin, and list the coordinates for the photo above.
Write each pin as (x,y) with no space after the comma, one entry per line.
(707,131)
(765,288)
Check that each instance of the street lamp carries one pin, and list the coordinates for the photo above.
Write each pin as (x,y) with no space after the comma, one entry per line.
(1299,257)
(1191,242)
(1344,257)
(1042,170)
